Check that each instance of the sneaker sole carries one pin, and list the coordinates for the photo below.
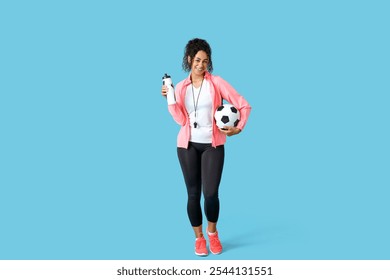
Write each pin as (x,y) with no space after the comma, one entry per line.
(201,255)
(218,253)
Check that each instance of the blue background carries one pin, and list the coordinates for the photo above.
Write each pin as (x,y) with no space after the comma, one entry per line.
(88,149)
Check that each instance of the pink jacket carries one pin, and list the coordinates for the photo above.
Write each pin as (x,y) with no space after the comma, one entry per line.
(219,90)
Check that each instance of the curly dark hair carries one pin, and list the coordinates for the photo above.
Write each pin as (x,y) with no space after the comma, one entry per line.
(192,48)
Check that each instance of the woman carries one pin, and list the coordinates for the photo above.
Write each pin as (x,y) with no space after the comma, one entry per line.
(200,143)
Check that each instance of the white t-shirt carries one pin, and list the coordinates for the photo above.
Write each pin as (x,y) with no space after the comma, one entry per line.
(204,112)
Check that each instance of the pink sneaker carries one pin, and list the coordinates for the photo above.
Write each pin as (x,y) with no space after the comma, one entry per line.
(215,244)
(200,247)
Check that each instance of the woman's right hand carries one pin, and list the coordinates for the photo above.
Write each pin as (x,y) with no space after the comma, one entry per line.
(164,90)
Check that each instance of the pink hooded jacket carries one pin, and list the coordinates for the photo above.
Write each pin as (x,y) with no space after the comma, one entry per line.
(219,90)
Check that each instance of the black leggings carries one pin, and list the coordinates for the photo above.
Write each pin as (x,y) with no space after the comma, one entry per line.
(202,166)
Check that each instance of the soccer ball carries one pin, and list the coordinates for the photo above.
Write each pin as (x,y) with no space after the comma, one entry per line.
(226,115)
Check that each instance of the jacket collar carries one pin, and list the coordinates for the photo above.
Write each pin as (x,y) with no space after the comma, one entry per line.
(187,81)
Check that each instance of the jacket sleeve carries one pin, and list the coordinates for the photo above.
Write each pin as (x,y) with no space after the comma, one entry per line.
(233,97)
(177,110)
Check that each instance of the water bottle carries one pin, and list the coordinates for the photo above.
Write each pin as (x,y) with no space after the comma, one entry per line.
(171,92)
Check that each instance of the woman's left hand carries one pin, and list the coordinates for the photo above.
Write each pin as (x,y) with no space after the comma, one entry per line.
(230,130)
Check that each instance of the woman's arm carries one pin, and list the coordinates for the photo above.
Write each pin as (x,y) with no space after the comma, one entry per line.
(233,97)
(176,110)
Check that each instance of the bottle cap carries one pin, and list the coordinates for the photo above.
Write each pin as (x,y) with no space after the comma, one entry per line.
(166,76)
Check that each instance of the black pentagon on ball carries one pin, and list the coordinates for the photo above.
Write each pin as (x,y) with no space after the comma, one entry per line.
(220,108)
(234,110)
(236,122)
(225,119)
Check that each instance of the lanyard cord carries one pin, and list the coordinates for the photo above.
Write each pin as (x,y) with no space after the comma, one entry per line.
(197,100)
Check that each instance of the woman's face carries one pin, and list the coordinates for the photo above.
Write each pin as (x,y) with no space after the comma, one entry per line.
(199,63)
